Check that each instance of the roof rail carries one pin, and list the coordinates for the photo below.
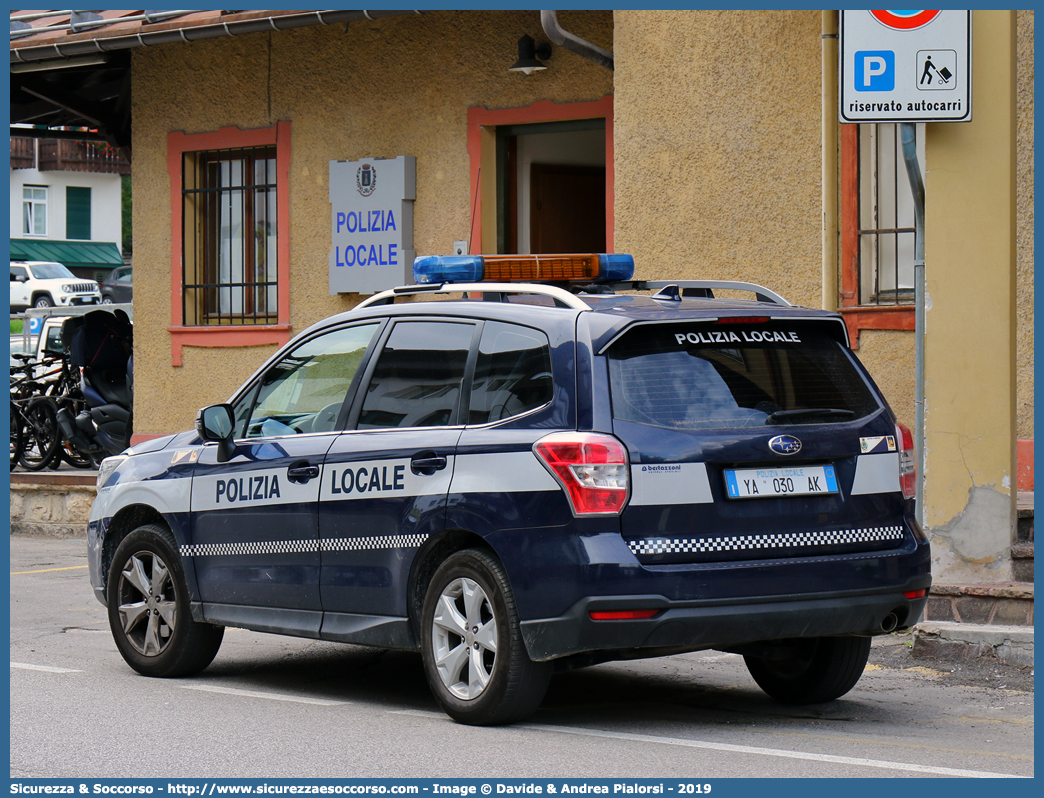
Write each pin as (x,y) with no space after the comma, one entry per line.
(561,296)
(681,288)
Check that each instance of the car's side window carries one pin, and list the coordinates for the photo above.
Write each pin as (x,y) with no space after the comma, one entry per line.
(418,377)
(512,373)
(304,391)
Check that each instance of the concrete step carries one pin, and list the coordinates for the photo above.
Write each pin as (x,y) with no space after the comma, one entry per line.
(992,603)
(1022,561)
(1024,505)
(948,640)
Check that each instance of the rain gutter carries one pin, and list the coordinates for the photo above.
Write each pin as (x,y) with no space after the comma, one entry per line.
(190,34)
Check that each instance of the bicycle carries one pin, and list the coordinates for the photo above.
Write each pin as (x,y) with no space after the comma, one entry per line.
(38,436)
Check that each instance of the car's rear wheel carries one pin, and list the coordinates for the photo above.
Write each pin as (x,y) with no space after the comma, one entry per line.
(149,611)
(106,300)
(474,656)
(811,670)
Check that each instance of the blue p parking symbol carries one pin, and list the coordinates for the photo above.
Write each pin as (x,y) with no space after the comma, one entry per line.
(875,70)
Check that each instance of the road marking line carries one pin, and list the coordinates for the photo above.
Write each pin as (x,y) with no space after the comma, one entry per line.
(48,570)
(748,749)
(893,743)
(45,668)
(323,702)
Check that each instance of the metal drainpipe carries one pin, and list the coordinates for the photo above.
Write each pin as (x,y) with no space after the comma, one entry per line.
(573,43)
(908,134)
(828,176)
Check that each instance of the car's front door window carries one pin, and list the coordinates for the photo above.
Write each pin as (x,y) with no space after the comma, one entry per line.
(304,391)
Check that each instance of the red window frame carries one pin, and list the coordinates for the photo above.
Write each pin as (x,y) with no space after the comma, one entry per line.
(229,335)
(859,317)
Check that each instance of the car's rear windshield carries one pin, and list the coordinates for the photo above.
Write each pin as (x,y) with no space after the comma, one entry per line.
(693,376)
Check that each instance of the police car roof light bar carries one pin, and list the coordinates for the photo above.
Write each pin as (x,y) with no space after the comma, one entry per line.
(536,268)
(488,290)
(679,289)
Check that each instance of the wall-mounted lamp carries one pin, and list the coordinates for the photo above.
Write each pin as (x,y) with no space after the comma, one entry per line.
(528,54)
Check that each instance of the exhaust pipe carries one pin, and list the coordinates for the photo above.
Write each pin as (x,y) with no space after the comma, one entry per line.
(890,622)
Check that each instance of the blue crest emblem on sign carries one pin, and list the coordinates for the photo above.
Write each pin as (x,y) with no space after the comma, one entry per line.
(366,179)
(785,444)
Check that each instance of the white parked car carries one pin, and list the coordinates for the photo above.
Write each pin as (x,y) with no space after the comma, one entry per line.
(46,284)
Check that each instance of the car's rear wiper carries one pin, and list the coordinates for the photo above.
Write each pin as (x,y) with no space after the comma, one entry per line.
(804,412)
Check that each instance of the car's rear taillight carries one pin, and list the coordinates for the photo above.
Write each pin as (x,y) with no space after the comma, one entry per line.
(907,461)
(592,467)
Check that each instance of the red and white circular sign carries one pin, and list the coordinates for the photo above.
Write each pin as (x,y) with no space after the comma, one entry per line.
(904,20)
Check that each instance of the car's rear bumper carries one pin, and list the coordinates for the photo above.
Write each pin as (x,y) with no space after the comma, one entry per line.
(719,624)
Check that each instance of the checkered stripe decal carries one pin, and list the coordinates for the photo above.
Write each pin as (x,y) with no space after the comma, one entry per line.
(365,544)
(787,540)
(302,546)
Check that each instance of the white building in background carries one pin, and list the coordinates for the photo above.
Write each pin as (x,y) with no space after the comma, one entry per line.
(66,204)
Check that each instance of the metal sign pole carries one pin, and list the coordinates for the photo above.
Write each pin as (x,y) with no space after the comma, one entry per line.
(908,136)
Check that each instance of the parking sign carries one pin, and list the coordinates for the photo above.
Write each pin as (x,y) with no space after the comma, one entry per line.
(905,66)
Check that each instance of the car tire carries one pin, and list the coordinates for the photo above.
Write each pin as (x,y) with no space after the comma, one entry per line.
(474,657)
(106,300)
(44,301)
(149,612)
(815,670)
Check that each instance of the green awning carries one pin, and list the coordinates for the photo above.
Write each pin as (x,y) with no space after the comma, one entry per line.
(84,254)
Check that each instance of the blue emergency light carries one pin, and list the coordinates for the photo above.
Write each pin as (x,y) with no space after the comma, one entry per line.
(604,268)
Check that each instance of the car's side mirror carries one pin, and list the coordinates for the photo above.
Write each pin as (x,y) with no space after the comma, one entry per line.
(217,423)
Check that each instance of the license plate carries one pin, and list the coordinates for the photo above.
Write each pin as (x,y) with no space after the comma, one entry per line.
(754,483)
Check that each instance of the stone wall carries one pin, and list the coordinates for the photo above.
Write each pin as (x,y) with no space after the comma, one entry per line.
(55,511)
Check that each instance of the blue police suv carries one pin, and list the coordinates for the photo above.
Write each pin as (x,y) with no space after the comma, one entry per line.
(553,466)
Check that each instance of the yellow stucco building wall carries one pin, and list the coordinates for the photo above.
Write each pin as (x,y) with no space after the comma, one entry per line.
(1024,223)
(717,137)
(398,86)
(717,156)
(970,321)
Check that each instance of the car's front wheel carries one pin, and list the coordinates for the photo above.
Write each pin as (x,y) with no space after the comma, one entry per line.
(43,301)
(811,670)
(149,608)
(474,656)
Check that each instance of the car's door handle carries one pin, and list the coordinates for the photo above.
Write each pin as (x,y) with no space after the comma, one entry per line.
(427,463)
(302,472)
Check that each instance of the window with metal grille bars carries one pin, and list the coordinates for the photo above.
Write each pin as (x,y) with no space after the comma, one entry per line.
(229,237)
(886,217)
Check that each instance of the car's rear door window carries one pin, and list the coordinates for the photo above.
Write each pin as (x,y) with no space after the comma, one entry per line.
(727,375)
(419,375)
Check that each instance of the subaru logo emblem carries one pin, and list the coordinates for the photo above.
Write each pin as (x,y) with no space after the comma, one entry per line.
(785,444)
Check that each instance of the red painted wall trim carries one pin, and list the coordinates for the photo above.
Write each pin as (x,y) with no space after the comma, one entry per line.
(141,437)
(1024,456)
(541,111)
(876,318)
(857,317)
(229,335)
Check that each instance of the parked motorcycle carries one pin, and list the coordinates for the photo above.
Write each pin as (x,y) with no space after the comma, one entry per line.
(101,346)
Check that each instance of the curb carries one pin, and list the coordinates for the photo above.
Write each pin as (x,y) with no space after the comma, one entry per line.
(1012,645)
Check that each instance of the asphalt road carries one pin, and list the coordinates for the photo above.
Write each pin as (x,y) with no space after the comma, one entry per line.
(273,706)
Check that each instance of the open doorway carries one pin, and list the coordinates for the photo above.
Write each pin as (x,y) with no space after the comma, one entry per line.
(551,187)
